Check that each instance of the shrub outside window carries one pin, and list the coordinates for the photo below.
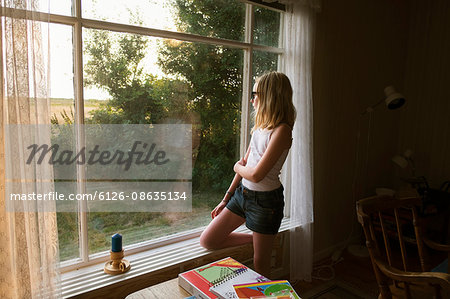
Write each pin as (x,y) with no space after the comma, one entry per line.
(157,62)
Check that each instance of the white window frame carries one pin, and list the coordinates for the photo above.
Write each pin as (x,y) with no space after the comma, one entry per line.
(78,23)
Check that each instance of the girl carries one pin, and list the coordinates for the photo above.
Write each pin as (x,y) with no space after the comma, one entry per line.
(255,195)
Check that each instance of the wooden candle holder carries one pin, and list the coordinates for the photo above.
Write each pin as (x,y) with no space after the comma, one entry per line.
(117,265)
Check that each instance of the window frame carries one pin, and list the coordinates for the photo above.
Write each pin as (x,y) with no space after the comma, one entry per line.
(77,22)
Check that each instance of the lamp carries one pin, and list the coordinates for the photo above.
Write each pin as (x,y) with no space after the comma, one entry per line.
(405,160)
(393,100)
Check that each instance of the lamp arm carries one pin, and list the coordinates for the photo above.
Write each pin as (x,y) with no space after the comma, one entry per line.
(371,108)
(412,165)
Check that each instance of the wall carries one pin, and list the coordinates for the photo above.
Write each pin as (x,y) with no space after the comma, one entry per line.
(360,49)
(425,121)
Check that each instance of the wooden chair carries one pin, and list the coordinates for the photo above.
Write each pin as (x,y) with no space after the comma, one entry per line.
(433,246)
(385,219)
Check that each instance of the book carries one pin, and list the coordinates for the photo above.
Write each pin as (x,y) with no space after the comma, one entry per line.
(199,281)
(265,289)
(224,289)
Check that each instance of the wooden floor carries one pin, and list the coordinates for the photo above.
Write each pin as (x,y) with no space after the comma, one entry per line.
(355,272)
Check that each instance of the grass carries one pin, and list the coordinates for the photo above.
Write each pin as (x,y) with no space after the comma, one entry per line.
(60,106)
(134,227)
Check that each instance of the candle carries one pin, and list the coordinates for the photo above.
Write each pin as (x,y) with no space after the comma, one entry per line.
(116,243)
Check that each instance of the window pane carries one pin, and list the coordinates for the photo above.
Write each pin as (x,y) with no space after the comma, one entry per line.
(62,112)
(267,27)
(264,62)
(61,7)
(68,235)
(61,66)
(153,80)
(222,18)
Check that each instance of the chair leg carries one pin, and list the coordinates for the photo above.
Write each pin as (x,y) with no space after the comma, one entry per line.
(385,292)
(437,291)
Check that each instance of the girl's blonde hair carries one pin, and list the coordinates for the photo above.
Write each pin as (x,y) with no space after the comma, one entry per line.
(275,105)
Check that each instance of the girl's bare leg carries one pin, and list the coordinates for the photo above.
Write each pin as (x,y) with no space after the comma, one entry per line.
(219,233)
(262,252)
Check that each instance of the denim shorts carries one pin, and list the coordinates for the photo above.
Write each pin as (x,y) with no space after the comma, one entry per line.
(262,210)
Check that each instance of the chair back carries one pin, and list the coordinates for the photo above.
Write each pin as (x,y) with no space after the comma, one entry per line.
(386,219)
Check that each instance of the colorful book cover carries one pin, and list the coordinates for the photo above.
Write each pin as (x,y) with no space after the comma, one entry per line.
(198,281)
(225,290)
(274,288)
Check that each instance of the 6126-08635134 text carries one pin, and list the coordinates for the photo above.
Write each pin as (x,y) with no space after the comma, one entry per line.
(103,195)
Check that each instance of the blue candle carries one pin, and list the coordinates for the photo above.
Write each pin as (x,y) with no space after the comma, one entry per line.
(116,243)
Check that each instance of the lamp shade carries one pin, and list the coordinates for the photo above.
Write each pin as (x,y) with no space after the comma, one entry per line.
(408,153)
(400,161)
(393,99)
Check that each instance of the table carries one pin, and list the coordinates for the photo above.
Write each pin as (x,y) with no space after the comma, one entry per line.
(168,289)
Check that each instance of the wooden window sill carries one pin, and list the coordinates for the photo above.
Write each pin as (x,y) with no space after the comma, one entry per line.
(160,264)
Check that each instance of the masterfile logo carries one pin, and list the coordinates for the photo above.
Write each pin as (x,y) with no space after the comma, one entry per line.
(107,151)
(105,157)
(113,168)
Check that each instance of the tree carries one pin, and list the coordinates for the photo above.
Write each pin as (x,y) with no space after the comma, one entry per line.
(209,80)
(215,76)
(114,64)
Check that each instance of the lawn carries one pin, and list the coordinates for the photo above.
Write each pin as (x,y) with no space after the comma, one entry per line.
(135,227)
(60,107)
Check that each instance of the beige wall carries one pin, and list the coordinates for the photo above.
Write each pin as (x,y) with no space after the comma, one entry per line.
(425,122)
(360,49)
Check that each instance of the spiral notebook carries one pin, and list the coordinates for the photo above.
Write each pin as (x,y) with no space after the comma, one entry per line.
(200,281)
(224,288)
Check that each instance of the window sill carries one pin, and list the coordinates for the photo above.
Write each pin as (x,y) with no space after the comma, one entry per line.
(147,268)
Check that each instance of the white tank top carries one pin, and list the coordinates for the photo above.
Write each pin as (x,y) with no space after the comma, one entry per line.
(258,145)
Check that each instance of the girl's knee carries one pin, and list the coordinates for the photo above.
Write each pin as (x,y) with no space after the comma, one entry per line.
(208,241)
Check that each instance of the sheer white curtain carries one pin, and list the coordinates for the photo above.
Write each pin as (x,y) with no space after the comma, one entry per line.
(28,238)
(298,171)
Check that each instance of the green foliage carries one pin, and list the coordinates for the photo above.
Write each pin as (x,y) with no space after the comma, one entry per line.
(266,32)
(213,18)
(215,76)
(67,235)
(63,136)
(206,93)
(267,27)
(67,117)
(136,98)
(209,83)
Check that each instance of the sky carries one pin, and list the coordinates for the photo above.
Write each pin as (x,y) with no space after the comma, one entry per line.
(153,13)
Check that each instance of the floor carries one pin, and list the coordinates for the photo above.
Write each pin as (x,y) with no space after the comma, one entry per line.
(351,277)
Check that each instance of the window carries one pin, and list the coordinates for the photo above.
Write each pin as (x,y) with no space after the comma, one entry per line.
(138,62)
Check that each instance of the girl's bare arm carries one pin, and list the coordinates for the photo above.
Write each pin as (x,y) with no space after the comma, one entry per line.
(234,184)
(280,140)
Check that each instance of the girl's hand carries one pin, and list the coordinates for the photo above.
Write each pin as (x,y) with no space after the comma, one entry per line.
(218,209)
(221,205)
(241,162)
